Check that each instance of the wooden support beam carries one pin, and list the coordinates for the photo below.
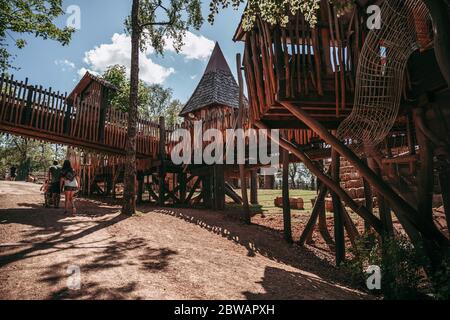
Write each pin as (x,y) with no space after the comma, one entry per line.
(339,237)
(286,203)
(219,187)
(140,189)
(425,176)
(318,206)
(405,212)
(326,180)
(153,194)
(182,182)
(253,187)
(240,124)
(444,182)
(206,191)
(368,199)
(383,207)
(350,227)
(194,188)
(162,157)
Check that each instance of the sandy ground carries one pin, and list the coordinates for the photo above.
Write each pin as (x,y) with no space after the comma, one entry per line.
(161,253)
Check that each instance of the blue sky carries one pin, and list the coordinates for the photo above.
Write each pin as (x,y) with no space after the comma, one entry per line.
(102,41)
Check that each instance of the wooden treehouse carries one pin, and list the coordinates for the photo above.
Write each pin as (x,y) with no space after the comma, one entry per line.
(378,98)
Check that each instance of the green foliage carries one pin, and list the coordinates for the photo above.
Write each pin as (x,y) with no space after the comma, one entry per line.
(173,111)
(441,280)
(277,12)
(160,20)
(29,17)
(27,156)
(401,265)
(117,75)
(153,100)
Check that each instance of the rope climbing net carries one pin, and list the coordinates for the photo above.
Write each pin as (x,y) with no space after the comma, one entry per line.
(380,74)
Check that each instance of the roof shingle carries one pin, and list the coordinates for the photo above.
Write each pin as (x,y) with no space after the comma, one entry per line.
(216,87)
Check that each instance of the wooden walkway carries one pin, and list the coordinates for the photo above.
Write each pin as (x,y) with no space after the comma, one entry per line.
(43,114)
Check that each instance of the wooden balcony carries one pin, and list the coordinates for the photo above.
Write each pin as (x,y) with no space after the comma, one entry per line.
(313,68)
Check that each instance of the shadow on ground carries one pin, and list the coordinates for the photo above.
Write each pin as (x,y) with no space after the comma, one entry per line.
(261,240)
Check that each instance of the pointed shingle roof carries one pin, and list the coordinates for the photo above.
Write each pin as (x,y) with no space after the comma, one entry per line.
(217,86)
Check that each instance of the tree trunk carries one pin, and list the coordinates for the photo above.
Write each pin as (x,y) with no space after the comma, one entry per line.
(129,192)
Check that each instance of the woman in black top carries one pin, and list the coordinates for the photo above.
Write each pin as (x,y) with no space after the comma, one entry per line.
(69,184)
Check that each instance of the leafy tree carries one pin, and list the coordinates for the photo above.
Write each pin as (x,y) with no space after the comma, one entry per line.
(276,12)
(27,156)
(150,24)
(173,111)
(300,176)
(117,75)
(29,17)
(154,100)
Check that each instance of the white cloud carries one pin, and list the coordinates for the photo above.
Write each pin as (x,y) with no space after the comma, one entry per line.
(82,71)
(195,47)
(65,64)
(193,76)
(119,52)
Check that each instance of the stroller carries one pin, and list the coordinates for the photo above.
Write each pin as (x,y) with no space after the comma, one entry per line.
(48,196)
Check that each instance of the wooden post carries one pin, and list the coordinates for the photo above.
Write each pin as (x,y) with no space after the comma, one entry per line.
(318,205)
(368,196)
(286,202)
(253,187)
(140,189)
(323,227)
(444,182)
(240,124)
(182,182)
(339,237)
(426,172)
(219,187)
(206,190)
(383,207)
(162,157)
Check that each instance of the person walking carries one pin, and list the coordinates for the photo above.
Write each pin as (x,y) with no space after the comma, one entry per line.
(69,183)
(12,173)
(54,177)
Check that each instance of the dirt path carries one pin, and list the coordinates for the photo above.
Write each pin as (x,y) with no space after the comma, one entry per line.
(160,254)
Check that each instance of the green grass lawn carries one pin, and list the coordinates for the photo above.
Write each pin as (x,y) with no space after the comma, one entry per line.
(266,200)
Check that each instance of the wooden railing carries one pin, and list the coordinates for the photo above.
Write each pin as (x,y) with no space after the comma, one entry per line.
(47,115)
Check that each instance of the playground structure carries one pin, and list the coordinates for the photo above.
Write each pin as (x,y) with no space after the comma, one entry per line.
(314,85)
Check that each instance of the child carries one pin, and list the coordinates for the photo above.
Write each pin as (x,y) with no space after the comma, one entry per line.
(47,194)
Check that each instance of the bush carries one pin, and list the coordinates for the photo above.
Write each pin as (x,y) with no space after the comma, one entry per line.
(441,280)
(402,274)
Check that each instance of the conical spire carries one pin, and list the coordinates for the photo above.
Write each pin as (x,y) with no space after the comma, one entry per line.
(217,61)
(216,87)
